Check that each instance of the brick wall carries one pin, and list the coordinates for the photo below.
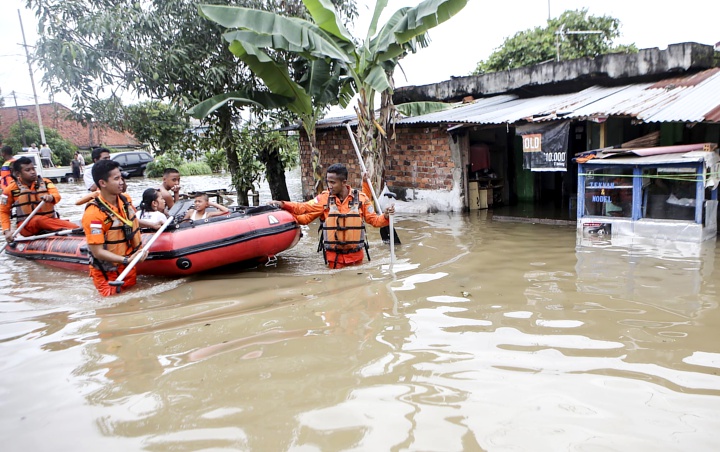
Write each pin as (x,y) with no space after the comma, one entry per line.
(420,158)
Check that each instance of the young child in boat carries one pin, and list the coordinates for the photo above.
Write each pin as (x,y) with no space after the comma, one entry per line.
(202,202)
(152,209)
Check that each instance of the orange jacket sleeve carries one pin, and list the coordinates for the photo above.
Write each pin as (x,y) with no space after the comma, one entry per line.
(372,217)
(92,218)
(306,212)
(6,208)
(52,189)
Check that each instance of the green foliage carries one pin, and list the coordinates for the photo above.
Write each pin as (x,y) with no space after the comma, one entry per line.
(160,125)
(63,150)
(161,50)
(257,141)
(167,160)
(216,160)
(539,44)
(331,64)
(194,169)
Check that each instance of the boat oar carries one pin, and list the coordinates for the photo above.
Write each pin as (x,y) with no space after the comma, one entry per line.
(49,234)
(372,190)
(29,217)
(120,279)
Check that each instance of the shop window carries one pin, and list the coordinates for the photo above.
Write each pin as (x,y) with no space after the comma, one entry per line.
(669,193)
(608,192)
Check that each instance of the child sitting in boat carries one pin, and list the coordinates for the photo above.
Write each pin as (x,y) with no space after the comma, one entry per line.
(202,202)
(152,209)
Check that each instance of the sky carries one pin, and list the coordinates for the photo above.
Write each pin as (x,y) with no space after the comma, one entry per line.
(456,45)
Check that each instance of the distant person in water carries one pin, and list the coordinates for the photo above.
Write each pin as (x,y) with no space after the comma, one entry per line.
(97,155)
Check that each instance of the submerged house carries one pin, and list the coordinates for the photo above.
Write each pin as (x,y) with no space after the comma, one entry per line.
(513,134)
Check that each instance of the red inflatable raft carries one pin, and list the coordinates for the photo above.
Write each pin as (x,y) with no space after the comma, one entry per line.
(245,234)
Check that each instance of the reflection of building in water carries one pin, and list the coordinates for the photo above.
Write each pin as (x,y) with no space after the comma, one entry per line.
(670,276)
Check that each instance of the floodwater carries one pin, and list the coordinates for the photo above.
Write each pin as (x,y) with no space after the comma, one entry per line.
(485,336)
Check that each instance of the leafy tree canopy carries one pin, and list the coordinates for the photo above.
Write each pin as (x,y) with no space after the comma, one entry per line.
(539,44)
(161,125)
(162,50)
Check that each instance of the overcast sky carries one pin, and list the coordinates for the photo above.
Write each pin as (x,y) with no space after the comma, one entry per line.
(456,46)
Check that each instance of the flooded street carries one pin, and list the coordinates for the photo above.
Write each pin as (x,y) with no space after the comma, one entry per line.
(487,336)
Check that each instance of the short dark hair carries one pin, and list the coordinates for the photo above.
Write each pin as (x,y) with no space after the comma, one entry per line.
(339,169)
(101,170)
(96,153)
(202,195)
(170,171)
(17,164)
(7,150)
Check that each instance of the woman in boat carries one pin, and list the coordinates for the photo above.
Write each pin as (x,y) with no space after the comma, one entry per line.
(202,202)
(152,209)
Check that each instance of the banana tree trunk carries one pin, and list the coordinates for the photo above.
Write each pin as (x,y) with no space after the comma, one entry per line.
(318,184)
(228,143)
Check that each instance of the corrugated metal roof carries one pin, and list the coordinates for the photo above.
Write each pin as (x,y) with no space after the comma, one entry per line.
(693,98)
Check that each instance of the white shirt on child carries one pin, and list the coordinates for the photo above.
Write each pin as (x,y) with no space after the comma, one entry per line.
(153,216)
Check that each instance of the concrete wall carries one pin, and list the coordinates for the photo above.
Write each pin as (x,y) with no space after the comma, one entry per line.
(647,64)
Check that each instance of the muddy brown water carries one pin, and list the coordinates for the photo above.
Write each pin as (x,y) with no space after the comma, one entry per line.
(486,336)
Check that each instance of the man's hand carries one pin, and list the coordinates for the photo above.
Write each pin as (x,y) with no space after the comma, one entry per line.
(390,211)
(276,203)
(143,255)
(7,234)
(176,189)
(48,198)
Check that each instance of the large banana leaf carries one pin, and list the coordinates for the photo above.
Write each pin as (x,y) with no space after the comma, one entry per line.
(326,17)
(422,108)
(409,23)
(275,76)
(275,31)
(260,99)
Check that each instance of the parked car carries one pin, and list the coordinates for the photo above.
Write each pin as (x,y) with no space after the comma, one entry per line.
(132,162)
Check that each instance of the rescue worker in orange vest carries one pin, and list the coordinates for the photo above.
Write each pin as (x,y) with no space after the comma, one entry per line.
(6,171)
(25,193)
(112,230)
(344,212)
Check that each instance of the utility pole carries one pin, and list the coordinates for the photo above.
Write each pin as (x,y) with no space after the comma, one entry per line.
(32,81)
(20,124)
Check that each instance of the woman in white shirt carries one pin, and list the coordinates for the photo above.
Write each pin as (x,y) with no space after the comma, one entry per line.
(152,209)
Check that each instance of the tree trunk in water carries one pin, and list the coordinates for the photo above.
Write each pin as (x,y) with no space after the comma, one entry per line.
(318,185)
(227,143)
(368,137)
(275,174)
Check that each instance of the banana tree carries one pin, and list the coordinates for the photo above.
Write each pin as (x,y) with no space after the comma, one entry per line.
(366,68)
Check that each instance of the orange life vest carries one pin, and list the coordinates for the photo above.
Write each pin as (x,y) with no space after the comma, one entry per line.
(6,174)
(344,233)
(26,200)
(121,239)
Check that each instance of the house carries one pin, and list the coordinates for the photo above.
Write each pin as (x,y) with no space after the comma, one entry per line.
(517,131)
(62,119)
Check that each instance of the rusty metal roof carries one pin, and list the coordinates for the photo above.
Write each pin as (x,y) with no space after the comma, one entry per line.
(690,98)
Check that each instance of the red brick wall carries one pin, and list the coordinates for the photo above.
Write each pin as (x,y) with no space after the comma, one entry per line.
(58,117)
(420,158)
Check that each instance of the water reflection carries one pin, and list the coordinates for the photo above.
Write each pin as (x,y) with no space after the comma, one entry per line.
(490,336)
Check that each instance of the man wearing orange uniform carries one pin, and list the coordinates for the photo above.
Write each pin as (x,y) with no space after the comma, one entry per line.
(6,170)
(112,230)
(25,193)
(343,212)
